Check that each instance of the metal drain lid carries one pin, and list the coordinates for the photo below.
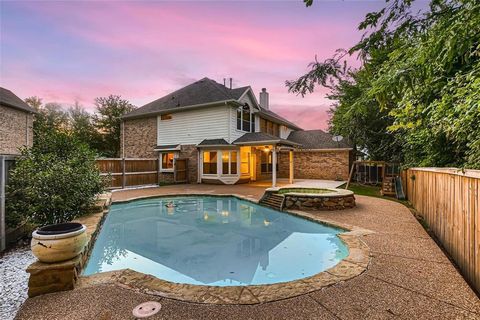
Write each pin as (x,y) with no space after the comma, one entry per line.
(146,309)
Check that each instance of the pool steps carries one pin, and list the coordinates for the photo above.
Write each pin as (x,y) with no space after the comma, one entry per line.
(273,200)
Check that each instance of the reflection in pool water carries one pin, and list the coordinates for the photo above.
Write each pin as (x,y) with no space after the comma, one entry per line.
(219,241)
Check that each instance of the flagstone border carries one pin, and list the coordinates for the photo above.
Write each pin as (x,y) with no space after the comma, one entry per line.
(353,265)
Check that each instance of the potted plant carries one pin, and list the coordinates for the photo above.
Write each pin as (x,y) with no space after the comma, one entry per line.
(53,183)
(58,242)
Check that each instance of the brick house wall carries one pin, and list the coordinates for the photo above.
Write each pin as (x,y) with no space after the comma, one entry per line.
(16,130)
(318,164)
(140,140)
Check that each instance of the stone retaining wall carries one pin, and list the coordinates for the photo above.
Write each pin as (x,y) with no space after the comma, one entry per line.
(317,202)
(62,276)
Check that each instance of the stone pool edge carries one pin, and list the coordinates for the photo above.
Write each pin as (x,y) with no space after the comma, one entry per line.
(353,265)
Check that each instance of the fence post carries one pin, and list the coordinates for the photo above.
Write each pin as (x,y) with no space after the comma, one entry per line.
(124,177)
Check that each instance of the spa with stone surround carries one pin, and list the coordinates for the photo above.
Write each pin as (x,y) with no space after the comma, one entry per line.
(353,261)
(304,198)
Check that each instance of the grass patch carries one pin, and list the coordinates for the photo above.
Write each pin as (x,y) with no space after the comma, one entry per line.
(304,190)
(371,191)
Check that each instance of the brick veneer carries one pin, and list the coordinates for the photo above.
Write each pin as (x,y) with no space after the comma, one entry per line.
(326,165)
(140,137)
(15,125)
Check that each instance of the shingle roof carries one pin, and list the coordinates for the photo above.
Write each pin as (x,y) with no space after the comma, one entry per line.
(213,142)
(200,92)
(9,99)
(262,137)
(316,139)
(270,115)
(167,147)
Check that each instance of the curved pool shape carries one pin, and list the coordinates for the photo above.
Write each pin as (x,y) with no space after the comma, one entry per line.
(217,241)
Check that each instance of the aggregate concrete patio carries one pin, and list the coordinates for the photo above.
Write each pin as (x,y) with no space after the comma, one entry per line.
(409,277)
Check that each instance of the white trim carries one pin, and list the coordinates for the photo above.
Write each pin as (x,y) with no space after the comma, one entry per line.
(167,170)
(179,109)
(177,148)
(249,89)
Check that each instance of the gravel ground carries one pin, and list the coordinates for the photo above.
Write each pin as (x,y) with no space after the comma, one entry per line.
(14,279)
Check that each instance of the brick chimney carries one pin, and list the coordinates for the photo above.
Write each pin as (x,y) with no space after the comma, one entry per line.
(264,98)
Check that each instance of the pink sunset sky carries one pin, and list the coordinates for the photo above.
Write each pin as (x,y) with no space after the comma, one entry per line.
(75,51)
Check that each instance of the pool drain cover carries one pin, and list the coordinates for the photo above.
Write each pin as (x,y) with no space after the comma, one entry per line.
(146,309)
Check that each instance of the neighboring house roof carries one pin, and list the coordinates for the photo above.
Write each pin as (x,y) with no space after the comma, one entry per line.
(260,138)
(270,115)
(317,139)
(204,91)
(9,99)
(213,142)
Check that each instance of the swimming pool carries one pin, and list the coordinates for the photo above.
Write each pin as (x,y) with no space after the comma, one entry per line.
(213,240)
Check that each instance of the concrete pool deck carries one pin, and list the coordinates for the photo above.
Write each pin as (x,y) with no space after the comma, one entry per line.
(409,277)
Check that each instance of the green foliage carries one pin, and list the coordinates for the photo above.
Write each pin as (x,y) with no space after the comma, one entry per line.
(108,121)
(100,131)
(54,181)
(417,93)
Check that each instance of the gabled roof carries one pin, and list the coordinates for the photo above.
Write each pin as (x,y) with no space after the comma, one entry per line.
(168,147)
(201,92)
(317,139)
(259,138)
(213,142)
(9,99)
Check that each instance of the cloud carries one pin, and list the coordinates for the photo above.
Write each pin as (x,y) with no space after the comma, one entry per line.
(66,51)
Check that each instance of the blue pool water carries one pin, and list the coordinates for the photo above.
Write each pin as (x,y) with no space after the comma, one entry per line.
(219,241)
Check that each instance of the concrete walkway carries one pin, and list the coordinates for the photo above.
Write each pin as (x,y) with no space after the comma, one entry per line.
(409,277)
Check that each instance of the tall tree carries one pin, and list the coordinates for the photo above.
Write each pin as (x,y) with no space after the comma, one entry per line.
(82,126)
(419,81)
(108,121)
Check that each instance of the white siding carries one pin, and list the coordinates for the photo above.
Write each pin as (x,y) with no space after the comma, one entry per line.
(248,99)
(193,126)
(284,132)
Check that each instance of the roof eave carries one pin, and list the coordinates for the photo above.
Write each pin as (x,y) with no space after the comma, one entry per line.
(9,105)
(285,123)
(179,109)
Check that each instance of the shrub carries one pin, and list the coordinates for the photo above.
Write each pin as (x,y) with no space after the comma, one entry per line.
(55,181)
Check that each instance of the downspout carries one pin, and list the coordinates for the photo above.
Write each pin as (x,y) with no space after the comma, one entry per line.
(122,127)
(229,123)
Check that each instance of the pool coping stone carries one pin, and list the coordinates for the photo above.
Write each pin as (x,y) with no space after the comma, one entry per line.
(353,265)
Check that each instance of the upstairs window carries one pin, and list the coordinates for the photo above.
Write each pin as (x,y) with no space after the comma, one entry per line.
(245,119)
(165,117)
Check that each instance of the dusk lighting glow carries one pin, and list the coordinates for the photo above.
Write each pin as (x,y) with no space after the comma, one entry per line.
(66,51)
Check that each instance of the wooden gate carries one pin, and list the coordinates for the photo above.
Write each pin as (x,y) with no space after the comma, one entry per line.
(180,173)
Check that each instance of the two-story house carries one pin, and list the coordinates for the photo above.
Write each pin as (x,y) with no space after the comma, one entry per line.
(229,137)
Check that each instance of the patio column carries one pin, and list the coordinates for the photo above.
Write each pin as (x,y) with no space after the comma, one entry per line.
(274,167)
(290,177)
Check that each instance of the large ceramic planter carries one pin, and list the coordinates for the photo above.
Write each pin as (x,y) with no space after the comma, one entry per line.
(58,242)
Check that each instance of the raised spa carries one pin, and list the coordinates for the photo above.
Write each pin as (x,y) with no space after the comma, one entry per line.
(217,241)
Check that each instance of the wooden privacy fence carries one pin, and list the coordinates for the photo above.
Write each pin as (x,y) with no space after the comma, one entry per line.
(449,201)
(126,172)
(129,172)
